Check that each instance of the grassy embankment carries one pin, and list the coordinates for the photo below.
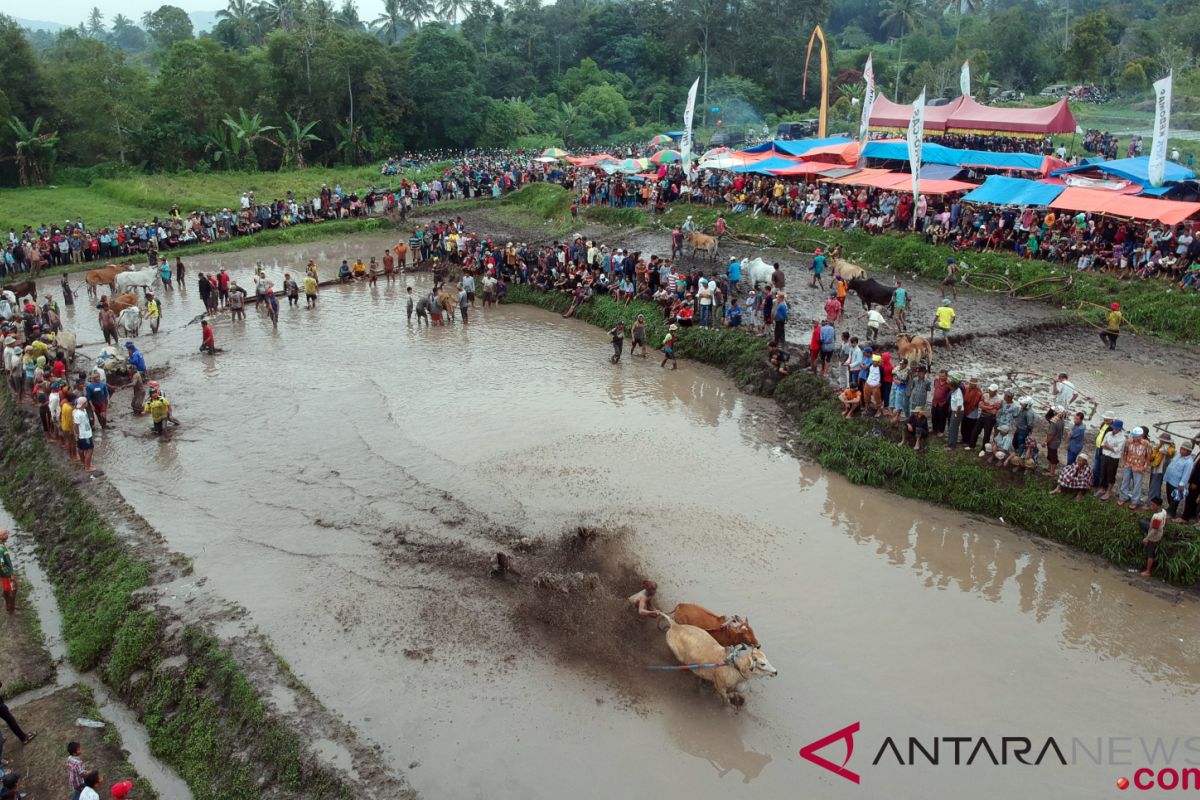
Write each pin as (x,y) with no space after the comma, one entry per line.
(1151,306)
(866,452)
(203,718)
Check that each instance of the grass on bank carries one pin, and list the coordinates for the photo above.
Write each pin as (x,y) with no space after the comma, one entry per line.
(1154,306)
(866,452)
(113,201)
(204,719)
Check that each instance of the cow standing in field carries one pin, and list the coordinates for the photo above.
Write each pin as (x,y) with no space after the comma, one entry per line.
(697,242)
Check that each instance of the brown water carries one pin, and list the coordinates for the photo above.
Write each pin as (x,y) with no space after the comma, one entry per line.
(304,451)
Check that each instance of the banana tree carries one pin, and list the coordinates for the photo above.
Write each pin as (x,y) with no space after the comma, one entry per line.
(350,142)
(222,145)
(34,150)
(293,139)
(249,130)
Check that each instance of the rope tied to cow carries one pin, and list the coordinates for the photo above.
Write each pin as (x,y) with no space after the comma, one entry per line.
(734,651)
(1002,284)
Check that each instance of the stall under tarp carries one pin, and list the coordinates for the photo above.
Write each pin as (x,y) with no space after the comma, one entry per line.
(933,153)
(808,168)
(590,161)
(767,165)
(964,115)
(834,153)
(902,181)
(728,161)
(1133,169)
(798,147)
(1002,191)
(1168,212)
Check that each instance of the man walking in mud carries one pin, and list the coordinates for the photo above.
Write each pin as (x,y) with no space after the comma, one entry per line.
(8,576)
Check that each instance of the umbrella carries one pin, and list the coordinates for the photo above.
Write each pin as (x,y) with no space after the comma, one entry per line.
(554,152)
(715,152)
(662,140)
(666,157)
(630,165)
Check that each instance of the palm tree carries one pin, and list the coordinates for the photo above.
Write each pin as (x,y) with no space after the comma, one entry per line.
(452,8)
(294,139)
(416,10)
(564,122)
(319,12)
(282,14)
(244,18)
(35,150)
(95,23)
(347,17)
(249,130)
(390,23)
(899,18)
(121,23)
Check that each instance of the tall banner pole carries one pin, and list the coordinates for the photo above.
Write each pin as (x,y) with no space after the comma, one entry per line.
(1162,129)
(916,135)
(964,79)
(864,123)
(685,146)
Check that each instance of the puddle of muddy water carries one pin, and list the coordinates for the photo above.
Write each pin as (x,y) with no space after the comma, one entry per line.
(304,451)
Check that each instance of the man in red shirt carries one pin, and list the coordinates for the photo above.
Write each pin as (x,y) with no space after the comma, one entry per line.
(207,342)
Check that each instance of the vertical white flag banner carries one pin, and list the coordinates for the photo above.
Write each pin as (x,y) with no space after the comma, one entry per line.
(1162,128)
(964,80)
(685,146)
(868,103)
(916,134)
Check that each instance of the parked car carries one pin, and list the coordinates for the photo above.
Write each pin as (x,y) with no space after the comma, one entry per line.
(797,130)
(727,137)
(940,101)
(1055,90)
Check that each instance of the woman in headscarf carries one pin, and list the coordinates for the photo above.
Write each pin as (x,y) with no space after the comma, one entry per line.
(1076,478)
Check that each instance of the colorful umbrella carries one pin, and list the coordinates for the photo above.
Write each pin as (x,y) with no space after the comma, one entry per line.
(630,165)
(666,157)
(662,140)
(554,152)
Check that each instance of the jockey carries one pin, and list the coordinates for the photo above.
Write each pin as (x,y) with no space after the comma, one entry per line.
(643,601)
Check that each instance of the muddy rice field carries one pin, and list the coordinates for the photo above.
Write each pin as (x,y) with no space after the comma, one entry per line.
(347,480)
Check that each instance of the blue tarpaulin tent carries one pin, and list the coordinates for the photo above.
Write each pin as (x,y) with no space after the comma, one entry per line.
(796,148)
(999,190)
(1135,170)
(933,153)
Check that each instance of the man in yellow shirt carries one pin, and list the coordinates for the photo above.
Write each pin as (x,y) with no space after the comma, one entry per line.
(153,311)
(159,408)
(1113,326)
(943,319)
(310,290)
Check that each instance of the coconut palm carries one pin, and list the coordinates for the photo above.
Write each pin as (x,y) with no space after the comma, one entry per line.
(900,17)
(34,150)
(450,9)
(389,25)
(293,139)
(347,17)
(416,10)
(95,23)
(282,14)
(249,130)
(244,16)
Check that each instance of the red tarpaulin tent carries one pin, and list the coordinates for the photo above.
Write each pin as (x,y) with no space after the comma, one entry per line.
(964,115)
(1168,212)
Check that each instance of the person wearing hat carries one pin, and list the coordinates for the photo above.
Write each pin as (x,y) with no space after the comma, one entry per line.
(153,311)
(97,393)
(780,316)
(917,427)
(943,320)
(135,357)
(1023,422)
(668,347)
(1163,452)
(121,791)
(950,282)
(83,433)
(160,409)
(1001,446)
(1076,477)
(1135,474)
(1176,477)
(1112,326)
(1111,451)
(1054,436)
(734,274)
(1098,455)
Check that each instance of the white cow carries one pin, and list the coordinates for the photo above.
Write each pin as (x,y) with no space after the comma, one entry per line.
(128,281)
(129,321)
(758,271)
(692,645)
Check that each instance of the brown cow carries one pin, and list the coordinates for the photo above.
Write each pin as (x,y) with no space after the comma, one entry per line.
(104,276)
(702,241)
(915,348)
(122,302)
(847,270)
(728,631)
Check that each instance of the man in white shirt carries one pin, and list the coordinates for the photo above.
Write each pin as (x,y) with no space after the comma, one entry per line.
(954,422)
(1111,450)
(83,432)
(92,782)
(705,294)
(1063,393)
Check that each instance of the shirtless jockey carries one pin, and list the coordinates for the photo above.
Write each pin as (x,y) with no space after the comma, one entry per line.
(643,601)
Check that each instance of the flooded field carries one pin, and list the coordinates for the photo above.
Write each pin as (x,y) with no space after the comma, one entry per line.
(348,480)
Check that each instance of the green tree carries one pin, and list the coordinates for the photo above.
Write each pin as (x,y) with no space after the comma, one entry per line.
(127,36)
(34,150)
(603,112)
(293,139)
(451,9)
(167,25)
(443,71)
(282,14)
(346,17)
(1093,47)
(416,10)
